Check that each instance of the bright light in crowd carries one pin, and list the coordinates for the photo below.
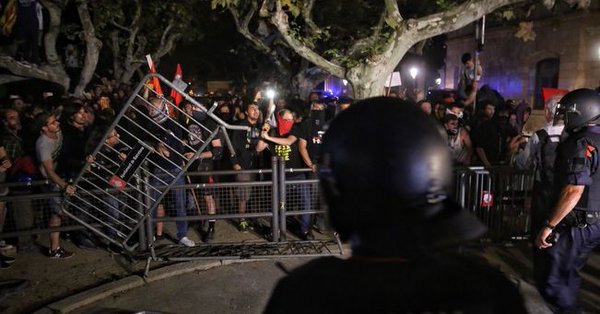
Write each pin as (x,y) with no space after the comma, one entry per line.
(270,94)
(345,82)
(438,81)
(413,72)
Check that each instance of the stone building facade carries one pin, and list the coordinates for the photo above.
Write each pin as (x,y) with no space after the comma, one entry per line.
(565,54)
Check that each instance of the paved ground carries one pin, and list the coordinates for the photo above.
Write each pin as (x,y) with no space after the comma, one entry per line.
(96,281)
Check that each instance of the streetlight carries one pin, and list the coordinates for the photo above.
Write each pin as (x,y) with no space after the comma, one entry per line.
(413,72)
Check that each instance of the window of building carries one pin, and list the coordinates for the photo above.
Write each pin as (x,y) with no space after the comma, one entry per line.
(546,75)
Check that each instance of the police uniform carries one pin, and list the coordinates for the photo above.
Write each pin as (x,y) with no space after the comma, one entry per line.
(579,232)
(572,231)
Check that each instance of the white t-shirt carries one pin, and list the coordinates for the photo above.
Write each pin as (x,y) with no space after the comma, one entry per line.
(48,149)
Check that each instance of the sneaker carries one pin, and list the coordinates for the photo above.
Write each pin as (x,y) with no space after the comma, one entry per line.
(244,226)
(307,236)
(158,237)
(4,245)
(4,265)
(7,259)
(210,234)
(60,253)
(185,241)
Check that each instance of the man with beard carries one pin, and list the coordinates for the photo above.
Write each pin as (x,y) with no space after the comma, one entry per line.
(48,147)
(489,138)
(247,146)
(459,141)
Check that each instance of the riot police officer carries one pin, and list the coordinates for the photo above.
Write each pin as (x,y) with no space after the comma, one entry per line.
(572,230)
(388,195)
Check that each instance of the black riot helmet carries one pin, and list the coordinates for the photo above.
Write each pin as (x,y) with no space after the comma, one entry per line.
(386,174)
(580,108)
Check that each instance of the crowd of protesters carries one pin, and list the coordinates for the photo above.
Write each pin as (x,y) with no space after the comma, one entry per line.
(486,136)
(43,137)
(50,136)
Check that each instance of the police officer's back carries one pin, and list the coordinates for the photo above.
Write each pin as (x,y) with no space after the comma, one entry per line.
(387,194)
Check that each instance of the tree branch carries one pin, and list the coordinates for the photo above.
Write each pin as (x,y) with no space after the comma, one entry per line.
(163,38)
(140,51)
(50,73)
(453,19)
(307,7)
(55,16)
(242,26)
(116,51)
(393,16)
(92,45)
(119,26)
(165,48)
(280,20)
(412,31)
(359,44)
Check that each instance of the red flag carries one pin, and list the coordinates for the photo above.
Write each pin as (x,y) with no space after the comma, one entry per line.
(178,77)
(549,92)
(155,81)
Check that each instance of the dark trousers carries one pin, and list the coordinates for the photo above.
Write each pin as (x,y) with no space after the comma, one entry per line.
(557,273)
(179,200)
(302,190)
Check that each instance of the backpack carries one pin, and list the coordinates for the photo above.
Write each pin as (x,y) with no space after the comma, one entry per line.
(547,155)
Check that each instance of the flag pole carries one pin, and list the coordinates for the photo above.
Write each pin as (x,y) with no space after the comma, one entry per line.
(390,84)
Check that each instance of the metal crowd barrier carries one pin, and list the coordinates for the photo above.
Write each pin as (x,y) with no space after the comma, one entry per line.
(121,191)
(499,197)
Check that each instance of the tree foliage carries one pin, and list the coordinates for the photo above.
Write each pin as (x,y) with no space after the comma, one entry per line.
(129,28)
(135,28)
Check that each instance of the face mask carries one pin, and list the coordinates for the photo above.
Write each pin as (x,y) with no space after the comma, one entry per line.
(284,126)
(318,116)
(226,116)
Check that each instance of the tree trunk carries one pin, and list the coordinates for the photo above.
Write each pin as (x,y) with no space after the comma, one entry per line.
(305,81)
(367,80)
(128,73)
(92,48)
(115,48)
(55,15)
